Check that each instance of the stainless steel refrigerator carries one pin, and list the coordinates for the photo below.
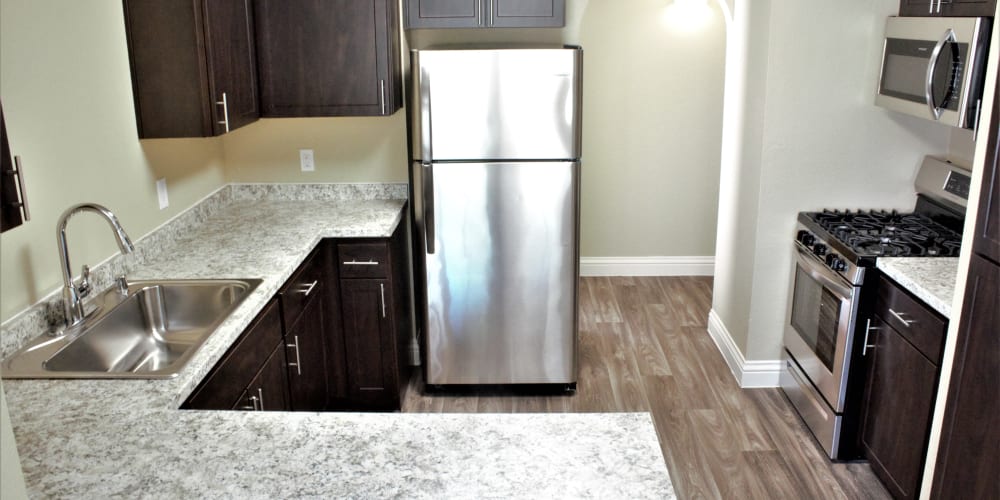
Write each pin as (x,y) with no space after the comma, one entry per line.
(496,183)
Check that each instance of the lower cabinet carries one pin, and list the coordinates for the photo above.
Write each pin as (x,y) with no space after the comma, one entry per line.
(335,337)
(903,348)
(268,391)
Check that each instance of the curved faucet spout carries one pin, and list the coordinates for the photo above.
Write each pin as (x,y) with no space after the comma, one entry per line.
(72,293)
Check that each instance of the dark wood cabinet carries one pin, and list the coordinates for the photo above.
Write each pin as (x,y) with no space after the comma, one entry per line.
(193,66)
(948,8)
(485,13)
(969,452)
(307,367)
(228,384)
(328,57)
(987,239)
(903,354)
(13,211)
(268,390)
(376,318)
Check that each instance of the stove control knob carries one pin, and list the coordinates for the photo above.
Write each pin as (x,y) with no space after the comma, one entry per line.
(806,238)
(819,249)
(835,262)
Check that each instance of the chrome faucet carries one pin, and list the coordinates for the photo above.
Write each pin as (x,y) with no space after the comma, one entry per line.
(74,293)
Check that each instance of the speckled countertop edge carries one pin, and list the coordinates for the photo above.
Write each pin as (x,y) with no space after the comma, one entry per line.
(932,279)
(107,438)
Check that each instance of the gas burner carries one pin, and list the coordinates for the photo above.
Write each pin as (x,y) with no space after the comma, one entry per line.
(878,233)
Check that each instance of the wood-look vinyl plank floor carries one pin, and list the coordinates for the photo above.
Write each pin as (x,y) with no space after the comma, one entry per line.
(644,346)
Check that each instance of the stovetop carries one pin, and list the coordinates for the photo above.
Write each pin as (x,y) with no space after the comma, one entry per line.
(889,234)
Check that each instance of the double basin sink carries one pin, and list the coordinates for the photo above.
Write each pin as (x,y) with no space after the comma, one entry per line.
(150,330)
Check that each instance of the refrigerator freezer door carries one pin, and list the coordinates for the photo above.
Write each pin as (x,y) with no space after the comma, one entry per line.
(502,280)
(495,105)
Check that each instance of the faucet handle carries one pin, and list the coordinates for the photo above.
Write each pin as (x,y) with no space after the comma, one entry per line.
(122,283)
(83,289)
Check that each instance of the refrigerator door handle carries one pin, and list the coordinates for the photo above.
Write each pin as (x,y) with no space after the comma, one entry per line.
(425,116)
(428,201)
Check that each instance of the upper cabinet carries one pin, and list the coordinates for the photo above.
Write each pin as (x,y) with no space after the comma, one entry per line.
(328,57)
(194,70)
(948,8)
(13,204)
(485,13)
(987,241)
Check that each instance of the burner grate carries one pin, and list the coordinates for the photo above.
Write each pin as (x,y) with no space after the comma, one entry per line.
(889,233)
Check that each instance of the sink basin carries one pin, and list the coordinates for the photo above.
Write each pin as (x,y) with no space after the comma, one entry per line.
(151,332)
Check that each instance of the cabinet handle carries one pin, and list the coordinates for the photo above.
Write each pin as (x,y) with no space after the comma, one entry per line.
(309,287)
(868,329)
(22,193)
(298,361)
(260,394)
(381,288)
(492,14)
(253,405)
(381,94)
(356,263)
(479,13)
(225,111)
(900,317)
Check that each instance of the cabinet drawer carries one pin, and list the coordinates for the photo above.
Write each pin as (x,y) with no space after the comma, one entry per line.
(363,260)
(222,389)
(305,283)
(913,319)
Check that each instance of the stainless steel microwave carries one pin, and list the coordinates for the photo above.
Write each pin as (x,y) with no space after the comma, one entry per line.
(933,67)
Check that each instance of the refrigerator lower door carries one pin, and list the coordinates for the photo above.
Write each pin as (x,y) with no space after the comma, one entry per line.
(501,271)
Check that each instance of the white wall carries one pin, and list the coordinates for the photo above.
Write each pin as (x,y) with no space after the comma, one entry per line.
(67,100)
(811,139)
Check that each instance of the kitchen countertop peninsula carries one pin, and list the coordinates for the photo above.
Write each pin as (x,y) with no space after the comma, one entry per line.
(126,438)
(932,279)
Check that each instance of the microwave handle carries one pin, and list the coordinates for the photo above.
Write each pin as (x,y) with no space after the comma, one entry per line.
(949,36)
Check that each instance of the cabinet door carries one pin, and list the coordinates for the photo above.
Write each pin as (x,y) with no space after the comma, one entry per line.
(527,13)
(229,46)
(444,13)
(899,401)
(969,454)
(270,386)
(328,57)
(371,346)
(987,240)
(10,201)
(184,54)
(307,369)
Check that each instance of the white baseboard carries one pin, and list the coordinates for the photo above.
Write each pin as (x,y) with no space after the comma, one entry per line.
(647,266)
(749,374)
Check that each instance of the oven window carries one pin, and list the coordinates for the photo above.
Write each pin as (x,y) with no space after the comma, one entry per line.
(815,315)
(904,71)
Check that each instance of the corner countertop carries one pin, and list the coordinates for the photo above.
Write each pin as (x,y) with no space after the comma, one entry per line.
(932,279)
(110,438)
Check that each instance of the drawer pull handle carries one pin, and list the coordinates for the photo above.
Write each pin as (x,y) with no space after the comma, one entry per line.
(868,329)
(253,405)
(309,287)
(900,317)
(298,360)
(356,263)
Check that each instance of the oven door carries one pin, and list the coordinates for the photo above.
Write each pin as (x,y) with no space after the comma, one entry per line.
(820,333)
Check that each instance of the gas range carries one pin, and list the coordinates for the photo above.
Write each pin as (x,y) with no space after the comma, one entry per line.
(834,252)
(848,242)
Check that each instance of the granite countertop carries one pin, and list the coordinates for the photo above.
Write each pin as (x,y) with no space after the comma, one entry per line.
(932,279)
(108,438)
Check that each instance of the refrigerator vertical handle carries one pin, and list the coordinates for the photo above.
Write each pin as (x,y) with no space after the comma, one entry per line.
(425,116)
(428,188)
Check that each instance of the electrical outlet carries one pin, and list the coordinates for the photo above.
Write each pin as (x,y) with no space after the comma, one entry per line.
(306,160)
(161,193)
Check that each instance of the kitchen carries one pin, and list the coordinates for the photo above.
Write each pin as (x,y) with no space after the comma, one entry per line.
(637,144)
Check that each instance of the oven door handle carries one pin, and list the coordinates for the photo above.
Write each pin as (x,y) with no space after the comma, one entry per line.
(823,274)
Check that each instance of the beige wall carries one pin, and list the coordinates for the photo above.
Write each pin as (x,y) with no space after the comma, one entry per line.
(652,121)
(816,141)
(67,100)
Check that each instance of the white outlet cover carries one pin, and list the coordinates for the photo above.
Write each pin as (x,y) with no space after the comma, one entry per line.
(161,193)
(306,160)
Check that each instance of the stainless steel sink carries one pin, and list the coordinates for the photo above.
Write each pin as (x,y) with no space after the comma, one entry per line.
(151,331)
